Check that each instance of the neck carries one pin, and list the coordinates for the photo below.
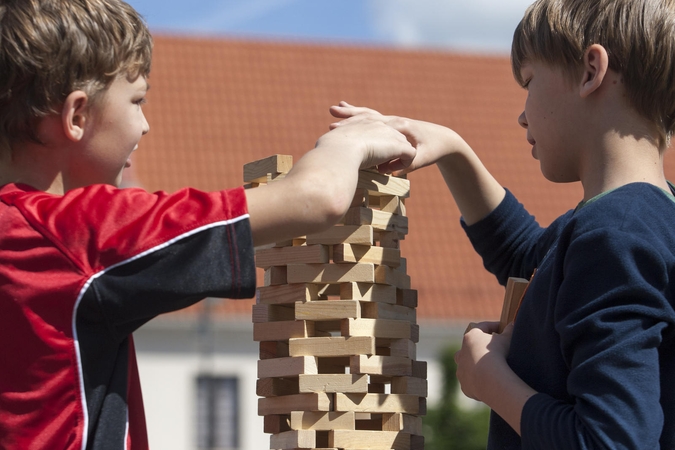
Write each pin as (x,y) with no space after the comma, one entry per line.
(619,159)
(34,165)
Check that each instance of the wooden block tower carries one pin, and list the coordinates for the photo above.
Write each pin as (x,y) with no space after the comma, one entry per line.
(336,323)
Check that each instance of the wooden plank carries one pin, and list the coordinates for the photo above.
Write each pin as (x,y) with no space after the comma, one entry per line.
(274,387)
(273,349)
(276,423)
(379,328)
(392,204)
(287,293)
(515,289)
(409,385)
(403,347)
(309,420)
(389,239)
(331,273)
(287,367)
(405,423)
(275,276)
(317,401)
(332,346)
(381,184)
(272,313)
(379,220)
(348,234)
(374,440)
(406,297)
(293,439)
(274,164)
(281,331)
(368,292)
(319,310)
(419,369)
(393,366)
(303,254)
(386,275)
(352,253)
(377,403)
(333,382)
(385,311)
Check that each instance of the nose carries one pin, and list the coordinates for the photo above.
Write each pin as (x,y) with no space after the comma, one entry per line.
(522,120)
(146,125)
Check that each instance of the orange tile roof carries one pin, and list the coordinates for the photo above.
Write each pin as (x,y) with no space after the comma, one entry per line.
(218,104)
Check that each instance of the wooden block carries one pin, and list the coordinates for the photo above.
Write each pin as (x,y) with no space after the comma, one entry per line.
(276,423)
(368,292)
(361,198)
(417,442)
(379,328)
(422,410)
(389,239)
(331,273)
(376,388)
(377,403)
(308,420)
(287,293)
(402,422)
(347,234)
(351,253)
(333,365)
(303,254)
(333,382)
(419,369)
(392,366)
(287,367)
(327,310)
(332,346)
(275,276)
(381,184)
(317,401)
(275,387)
(406,297)
(409,385)
(515,289)
(274,164)
(403,347)
(272,313)
(386,275)
(379,220)
(392,204)
(273,349)
(293,439)
(386,311)
(373,440)
(281,331)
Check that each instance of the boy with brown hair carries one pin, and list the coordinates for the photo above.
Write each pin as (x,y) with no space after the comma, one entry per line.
(590,360)
(82,263)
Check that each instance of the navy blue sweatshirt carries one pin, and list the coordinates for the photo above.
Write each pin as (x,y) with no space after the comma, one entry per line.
(595,333)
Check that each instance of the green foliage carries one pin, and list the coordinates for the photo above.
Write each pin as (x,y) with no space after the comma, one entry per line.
(449,426)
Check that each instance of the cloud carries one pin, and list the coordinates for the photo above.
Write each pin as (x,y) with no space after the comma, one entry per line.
(475,25)
(232,14)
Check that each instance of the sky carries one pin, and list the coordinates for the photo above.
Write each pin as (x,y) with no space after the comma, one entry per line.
(476,26)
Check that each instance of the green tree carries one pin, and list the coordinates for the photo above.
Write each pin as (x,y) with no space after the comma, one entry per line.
(449,426)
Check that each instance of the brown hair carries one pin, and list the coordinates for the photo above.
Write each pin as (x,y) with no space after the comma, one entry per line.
(639,36)
(50,48)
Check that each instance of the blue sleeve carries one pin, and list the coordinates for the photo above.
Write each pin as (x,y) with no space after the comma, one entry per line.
(510,240)
(610,316)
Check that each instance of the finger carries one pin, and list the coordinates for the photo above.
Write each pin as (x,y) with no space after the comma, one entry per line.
(488,327)
(470,327)
(508,330)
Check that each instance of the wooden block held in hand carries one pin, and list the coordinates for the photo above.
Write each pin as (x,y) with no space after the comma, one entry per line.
(515,289)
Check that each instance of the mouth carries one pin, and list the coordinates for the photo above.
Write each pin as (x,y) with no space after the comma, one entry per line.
(531,141)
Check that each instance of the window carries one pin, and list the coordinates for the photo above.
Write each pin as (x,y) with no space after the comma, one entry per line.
(217,413)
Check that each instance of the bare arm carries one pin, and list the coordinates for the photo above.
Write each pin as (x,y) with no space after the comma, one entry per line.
(317,192)
(474,189)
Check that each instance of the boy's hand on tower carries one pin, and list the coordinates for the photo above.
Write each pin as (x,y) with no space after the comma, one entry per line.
(432,141)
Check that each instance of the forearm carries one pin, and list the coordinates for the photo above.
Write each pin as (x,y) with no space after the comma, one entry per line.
(474,189)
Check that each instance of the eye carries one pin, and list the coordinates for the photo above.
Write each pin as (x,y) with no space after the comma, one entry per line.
(141,101)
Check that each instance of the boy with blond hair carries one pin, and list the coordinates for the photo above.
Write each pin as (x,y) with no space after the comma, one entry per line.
(82,263)
(590,360)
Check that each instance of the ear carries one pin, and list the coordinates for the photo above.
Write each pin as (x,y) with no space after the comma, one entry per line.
(596,64)
(74,115)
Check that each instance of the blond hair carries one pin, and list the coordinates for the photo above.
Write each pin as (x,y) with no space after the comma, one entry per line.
(50,48)
(639,36)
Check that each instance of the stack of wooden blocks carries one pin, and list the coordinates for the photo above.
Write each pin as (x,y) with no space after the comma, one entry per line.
(336,322)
